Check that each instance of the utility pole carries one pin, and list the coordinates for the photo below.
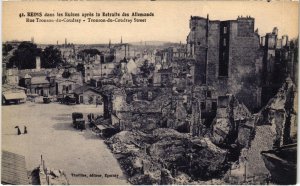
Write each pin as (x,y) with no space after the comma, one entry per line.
(206,50)
(245,172)
(125,50)
(100,67)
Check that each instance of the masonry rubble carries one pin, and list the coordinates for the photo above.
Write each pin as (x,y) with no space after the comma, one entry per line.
(166,156)
(233,123)
(274,126)
(280,114)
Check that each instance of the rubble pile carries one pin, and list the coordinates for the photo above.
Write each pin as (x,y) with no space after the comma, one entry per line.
(167,157)
(274,126)
(246,132)
(280,114)
(234,141)
(233,124)
(128,141)
(129,148)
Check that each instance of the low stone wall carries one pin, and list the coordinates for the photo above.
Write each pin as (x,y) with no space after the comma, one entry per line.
(48,176)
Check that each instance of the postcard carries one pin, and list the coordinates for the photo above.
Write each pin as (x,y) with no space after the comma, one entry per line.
(149,92)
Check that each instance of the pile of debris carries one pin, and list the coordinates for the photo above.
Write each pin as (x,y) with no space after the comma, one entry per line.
(234,141)
(233,124)
(128,141)
(275,125)
(280,114)
(167,157)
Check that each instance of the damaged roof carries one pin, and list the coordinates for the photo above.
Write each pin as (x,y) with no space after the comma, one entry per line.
(83,88)
(39,80)
(13,169)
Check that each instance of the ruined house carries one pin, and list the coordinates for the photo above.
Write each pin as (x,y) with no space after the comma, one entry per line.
(208,100)
(131,108)
(92,70)
(183,72)
(121,51)
(233,123)
(140,107)
(126,79)
(163,77)
(167,55)
(228,57)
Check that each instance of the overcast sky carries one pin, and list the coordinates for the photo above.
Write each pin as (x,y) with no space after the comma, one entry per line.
(170,21)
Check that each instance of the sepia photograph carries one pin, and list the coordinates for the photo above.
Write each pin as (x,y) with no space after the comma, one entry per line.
(149,92)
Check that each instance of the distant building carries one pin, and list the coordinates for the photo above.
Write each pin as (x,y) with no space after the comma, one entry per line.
(68,53)
(98,82)
(183,72)
(43,85)
(99,70)
(163,77)
(166,56)
(126,80)
(15,43)
(66,86)
(87,95)
(122,51)
(280,60)
(12,76)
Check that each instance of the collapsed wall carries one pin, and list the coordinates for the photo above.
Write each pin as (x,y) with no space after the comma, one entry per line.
(233,125)
(275,125)
(280,114)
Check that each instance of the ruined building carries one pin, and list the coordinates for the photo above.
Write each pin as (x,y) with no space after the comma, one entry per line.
(228,57)
(280,60)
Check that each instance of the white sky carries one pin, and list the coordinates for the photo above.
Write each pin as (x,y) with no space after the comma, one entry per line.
(170,23)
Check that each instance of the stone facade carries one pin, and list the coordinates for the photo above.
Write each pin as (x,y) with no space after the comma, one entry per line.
(228,57)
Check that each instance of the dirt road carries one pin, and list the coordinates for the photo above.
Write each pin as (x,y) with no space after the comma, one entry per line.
(51,134)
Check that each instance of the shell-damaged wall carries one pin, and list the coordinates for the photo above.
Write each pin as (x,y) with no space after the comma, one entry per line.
(281,115)
(196,42)
(245,64)
(139,108)
(227,57)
